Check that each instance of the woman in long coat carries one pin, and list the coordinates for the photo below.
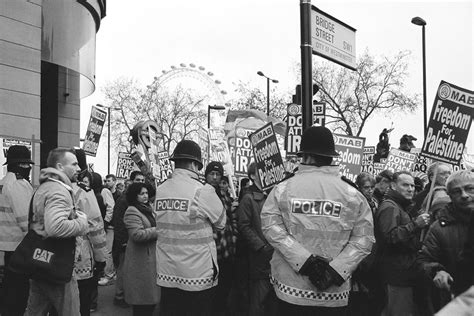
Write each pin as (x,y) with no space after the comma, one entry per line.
(140,286)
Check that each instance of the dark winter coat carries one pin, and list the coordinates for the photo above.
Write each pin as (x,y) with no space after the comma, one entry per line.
(139,268)
(442,249)
(397,240)
(378,196)
(444,242)
(250,228)
(464,275)
(120,231)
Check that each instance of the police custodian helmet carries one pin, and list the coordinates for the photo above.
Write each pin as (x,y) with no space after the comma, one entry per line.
(187,149)
(318,140)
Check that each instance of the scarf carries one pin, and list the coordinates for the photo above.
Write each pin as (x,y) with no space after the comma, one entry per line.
(146,210)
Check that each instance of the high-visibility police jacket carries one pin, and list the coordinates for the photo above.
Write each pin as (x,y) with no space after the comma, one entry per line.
(315,212)
(15,196)
(186,212)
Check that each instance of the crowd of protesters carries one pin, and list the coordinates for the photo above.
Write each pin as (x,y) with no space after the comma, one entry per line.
(189,247)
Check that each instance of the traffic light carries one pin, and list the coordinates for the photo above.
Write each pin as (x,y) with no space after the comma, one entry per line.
(297,97)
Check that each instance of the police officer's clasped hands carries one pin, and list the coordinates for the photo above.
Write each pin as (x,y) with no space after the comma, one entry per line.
(320,273)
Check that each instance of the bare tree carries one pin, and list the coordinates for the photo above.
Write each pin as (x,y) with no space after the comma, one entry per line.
(178,113)
(353,96)
(249,97)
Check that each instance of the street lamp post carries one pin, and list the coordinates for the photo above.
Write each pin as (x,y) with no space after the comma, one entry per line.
(108,132)
(268,89)
(419,21)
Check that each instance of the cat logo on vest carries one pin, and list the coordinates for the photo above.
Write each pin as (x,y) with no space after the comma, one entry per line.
(42,255)
(316,207)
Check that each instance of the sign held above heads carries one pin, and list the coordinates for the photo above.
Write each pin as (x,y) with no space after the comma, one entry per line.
(295,124)
(450,121)
(125,166)
(333,39)
(270,166)
(94,131)
(351,151)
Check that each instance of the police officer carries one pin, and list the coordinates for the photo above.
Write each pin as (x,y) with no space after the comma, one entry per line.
(15,196)
(186,213)
(320,227)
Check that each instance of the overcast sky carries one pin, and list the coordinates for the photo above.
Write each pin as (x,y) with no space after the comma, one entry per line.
(235,39)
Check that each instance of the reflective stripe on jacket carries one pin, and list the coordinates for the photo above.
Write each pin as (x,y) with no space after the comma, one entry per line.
(15,196)
(186,211)
(92,246)
(315,212)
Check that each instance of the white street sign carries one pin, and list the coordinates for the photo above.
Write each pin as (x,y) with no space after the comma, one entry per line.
(333,39)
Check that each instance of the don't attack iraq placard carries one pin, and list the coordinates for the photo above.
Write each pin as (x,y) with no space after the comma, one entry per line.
(449,125)
(270,166)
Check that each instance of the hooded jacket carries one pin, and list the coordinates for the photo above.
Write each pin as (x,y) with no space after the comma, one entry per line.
(54,211)
(316,213)
(397,240)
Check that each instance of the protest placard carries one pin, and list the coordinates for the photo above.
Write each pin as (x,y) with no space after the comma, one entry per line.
(369,152)
(7,143)
(295,125)
(368,159)
(421,162)
(351,151)
(449,124)
(94,131)
(153,154)
(220,150)
(399,160)
(163,159)
(378,168)
(241,151)
(124,165)
(270,166)
(319,113)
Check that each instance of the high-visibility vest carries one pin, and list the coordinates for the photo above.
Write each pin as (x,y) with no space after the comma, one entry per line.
(316,213)
(15,196)
(186,212)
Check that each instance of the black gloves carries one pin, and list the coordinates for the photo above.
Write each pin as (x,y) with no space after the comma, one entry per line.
(330,277)
(267,252)
(320,273)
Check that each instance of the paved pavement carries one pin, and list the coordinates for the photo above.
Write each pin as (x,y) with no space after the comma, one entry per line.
(106,305)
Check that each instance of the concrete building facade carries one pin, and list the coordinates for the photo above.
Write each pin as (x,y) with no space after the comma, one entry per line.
(47,64)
